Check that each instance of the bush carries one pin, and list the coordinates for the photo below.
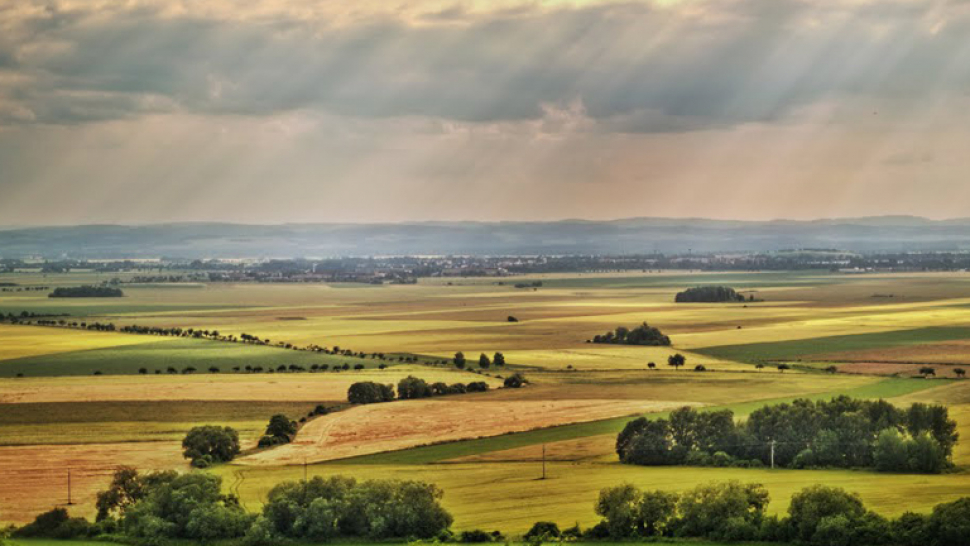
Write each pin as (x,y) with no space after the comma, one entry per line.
(515,381)
(56,524)
(209,444)
(722,459)
(543,530)
(477,386)
(475,536)
(911,529)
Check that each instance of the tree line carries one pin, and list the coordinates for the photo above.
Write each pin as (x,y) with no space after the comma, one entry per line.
(411,388)
(88,291)
(159,507)
(841,432)
(643,334)
(733,511)
(163,506)
(710,294)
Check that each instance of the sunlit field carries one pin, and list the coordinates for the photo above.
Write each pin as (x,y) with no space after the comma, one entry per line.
(93,400)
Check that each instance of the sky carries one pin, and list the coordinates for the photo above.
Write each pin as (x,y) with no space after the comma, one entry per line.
(272,111)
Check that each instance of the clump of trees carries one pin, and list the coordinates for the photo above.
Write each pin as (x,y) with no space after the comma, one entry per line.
(710,294)
(732,511)
(322,509)
(209,444)
(86,292)
(841,432)
(280,430)
(643,334)
(515,381)
(409,388)
(369,392)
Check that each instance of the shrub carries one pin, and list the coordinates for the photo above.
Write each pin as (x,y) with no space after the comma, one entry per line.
(706,509)
(56,524)
(543,530)
(620,508)
(515,381)
(477,386)
(722,459)
(475,536)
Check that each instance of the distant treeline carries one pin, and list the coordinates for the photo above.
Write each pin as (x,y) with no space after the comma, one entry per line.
(86,292)
(709,294)
(842,432)
(640,335)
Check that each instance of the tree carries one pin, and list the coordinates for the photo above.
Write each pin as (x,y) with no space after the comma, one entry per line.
(412,387)
(498,360)
(832,369)
(459,360)
(927,371)
(512,319)
(126,488)
(543,530)
(620,507)
(658,509)
(959,372)
(814,503)
(281,426)
(652,365)
(783,367)
(890,452)
(676,360)
(707,509)
(369,392)
(483,362)
(209,444)
(926,455)
(949,523)
(759,366)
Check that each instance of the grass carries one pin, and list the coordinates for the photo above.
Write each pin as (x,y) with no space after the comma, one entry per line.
(159,355)
(798,349)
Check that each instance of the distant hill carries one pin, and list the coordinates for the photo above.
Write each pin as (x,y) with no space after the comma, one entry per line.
(628,236)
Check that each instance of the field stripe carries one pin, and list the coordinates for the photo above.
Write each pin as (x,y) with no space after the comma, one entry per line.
(887,388)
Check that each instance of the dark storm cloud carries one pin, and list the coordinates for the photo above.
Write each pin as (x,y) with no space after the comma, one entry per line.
(636,67)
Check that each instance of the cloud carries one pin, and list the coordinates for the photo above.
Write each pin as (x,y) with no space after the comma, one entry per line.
(639,67)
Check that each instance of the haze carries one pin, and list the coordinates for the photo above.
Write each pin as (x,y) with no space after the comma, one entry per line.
(372,111)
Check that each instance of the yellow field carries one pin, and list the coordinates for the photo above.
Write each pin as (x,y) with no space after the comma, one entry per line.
(23,341)
(438,317)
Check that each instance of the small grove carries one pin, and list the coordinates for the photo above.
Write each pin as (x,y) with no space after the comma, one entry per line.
(644,334)
(841,432)
(164,507)
(710,294)
(411,388)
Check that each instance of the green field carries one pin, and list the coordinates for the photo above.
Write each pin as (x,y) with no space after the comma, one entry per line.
(805,348)
(179,353)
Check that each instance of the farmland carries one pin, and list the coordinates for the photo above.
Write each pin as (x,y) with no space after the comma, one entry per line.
(483,449)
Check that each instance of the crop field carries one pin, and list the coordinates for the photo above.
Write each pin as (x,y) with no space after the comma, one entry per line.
(485,450)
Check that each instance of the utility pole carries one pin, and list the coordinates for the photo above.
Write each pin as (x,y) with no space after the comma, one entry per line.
(772,454)
(69,500)
(543,461)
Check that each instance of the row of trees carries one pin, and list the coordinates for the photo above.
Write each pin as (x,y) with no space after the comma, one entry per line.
(498,360)
(643,334)
(733,511)
(410,388)
(841,432)
(710,294)
(86,292)
(159,507)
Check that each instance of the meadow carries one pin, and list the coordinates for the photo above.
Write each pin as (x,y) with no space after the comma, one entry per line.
(485,450)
